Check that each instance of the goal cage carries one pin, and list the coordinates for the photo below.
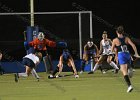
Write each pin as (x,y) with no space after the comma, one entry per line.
(74,27)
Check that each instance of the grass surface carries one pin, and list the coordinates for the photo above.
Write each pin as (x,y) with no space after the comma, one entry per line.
(96,86)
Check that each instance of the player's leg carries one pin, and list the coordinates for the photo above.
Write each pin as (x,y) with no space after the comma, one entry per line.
(47,63)
(124,59)
(96,66)
(34,73)
(130,68)
(133,59)
(126,77)
(115,59)
(109,60)
(25,74)
(83,62)
(53,73)
(1,70)
(72,65)
(58,70)
(100,65)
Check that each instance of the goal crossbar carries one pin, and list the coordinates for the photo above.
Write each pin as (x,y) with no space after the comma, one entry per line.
(43,13)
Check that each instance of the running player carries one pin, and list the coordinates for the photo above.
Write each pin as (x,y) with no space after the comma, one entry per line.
(105,52)
(121,43)
(65,59)
(30,61)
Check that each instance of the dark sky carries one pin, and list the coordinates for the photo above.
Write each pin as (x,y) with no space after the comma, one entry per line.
(106,15)
(114,12)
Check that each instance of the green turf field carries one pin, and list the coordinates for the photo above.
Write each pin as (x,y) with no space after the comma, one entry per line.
(96,86)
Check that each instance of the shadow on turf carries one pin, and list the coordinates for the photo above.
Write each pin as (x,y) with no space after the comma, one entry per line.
(56,86)
(136,89)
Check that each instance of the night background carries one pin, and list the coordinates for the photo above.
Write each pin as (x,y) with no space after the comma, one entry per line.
(106,15)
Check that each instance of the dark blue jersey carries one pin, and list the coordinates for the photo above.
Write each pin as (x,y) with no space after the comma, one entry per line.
(123,46)
(90,50)
(123,53)
(66,55)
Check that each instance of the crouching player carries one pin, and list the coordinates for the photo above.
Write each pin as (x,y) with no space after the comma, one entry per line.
(30,61)
(90,53)
(67,59)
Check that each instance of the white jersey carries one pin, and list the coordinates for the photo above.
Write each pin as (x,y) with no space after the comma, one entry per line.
(33,57)
(106,44)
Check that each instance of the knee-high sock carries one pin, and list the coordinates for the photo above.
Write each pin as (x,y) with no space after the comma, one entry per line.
(55,71)
(83,65)
(34,73)
(71,69)
(96,67)
(22,75)
(114,65)
(127,80)
(100,67)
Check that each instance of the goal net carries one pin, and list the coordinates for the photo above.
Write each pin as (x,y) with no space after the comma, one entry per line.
(72,27)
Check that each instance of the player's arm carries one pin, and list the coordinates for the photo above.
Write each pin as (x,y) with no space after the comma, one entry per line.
(97,50)
(101,48)
(73,65)
(33,43)
(85,52)
(132,45)
(112,52)
(61,61)
(85,49)
(60,64)
(0,55)
(113,45)
(110,42)
(116,55)
(37,63)
(27,45)
(50,43)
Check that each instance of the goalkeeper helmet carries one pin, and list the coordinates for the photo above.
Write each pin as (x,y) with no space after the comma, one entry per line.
(41,36)
(90,43)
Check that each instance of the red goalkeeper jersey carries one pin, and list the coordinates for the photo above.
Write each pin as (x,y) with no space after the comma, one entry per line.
(41,45)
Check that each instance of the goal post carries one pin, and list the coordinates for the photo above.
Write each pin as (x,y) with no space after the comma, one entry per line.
(32,13)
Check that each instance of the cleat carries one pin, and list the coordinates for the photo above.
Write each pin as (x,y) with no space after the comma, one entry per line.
(57,76)
(103,71)
(130,88)
(51,77)
(38,79)
(16,77)
(76,76)
(116,71)
(91,72)
(81,72)
(112,70)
